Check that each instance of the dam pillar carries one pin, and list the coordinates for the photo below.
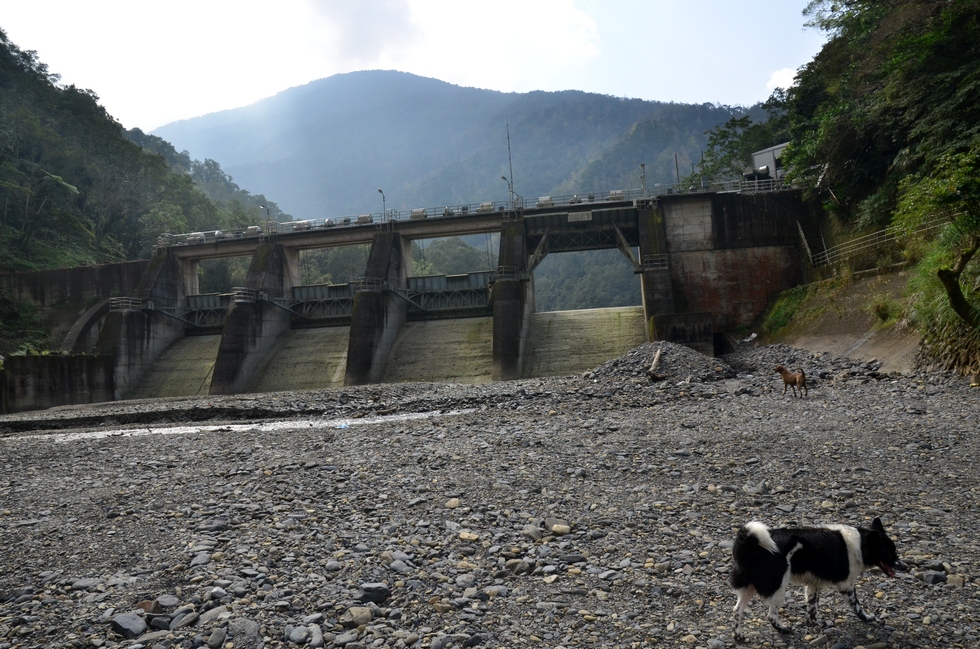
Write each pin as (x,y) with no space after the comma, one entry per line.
(137,333)
(256,319)
(512,297)
(665,318)
(378,312)
(655,281)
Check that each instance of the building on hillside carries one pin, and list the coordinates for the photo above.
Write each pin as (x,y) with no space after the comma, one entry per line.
(767,164)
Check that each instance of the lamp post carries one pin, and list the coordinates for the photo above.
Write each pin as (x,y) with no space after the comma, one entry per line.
(268,216)
(384,206)
(643,178)
(510,189)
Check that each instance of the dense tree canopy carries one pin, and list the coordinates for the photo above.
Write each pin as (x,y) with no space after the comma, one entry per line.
(75,188)
(885,126)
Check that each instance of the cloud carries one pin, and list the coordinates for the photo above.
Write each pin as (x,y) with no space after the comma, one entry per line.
(506,44)
(363,33)
(784,78)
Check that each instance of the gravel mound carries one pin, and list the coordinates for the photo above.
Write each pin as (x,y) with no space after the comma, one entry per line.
(676,362)
(592,511)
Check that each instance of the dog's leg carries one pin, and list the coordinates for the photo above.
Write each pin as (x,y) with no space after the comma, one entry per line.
(744,597)
(852,599)
(812,601)
(775,602)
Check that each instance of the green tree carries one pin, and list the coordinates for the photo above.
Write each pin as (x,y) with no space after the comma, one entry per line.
(952,192)
(731,145)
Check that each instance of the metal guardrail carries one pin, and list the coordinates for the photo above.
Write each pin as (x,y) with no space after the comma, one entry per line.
(370,284)
(125,304)
(655,262)
(243,294)
(856,246)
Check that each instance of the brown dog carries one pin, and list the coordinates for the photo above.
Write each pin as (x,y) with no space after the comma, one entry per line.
(793,380)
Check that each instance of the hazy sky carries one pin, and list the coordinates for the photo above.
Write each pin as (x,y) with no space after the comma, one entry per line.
(154,62)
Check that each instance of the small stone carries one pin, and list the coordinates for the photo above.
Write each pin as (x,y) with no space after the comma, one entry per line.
(129,625)
(299,635)
(356,616)
(217,638)
(373,592)
(933,577)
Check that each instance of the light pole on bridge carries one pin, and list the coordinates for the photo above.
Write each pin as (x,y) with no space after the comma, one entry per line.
(510,190)
(384,205)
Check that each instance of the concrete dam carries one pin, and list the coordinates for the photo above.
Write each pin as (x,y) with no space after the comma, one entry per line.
(454,351)
(708,262)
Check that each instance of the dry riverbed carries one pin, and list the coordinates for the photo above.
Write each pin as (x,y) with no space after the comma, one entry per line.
(586,511)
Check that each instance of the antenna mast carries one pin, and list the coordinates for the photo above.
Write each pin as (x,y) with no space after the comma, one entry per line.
(510,165)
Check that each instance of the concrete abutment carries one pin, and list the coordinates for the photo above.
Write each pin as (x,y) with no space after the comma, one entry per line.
(255,321)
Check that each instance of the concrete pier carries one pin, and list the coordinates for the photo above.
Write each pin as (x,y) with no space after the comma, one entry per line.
(379,313)
(255,322)
(513,302)
(136,337)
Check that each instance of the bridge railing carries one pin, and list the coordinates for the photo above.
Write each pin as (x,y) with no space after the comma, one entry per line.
(471,209)
(125,304)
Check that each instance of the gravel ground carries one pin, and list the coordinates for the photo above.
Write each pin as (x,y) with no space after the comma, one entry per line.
(585,511)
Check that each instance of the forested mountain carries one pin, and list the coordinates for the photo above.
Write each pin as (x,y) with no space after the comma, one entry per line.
(325,148)
(75,188)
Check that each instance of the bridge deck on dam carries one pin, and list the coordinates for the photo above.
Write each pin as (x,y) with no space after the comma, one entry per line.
(457,351)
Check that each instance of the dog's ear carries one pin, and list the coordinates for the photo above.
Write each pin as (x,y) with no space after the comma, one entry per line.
(877,526)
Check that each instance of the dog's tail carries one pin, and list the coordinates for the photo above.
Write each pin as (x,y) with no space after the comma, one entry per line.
(753,547)
(800,372)
(757,531)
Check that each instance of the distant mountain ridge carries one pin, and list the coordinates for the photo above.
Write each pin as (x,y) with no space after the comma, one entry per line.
(325,148)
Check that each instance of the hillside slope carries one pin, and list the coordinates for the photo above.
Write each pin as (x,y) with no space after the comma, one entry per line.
(838,319)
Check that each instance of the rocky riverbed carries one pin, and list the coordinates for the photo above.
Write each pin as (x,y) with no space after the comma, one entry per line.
(585,511)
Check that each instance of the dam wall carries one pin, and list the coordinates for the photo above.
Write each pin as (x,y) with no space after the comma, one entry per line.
(446,350)
(62,295)
(709,263)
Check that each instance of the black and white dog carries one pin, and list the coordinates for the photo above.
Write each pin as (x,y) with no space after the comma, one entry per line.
(834,556)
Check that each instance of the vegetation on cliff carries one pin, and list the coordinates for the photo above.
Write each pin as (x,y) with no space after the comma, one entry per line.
(75,188)
(884,128)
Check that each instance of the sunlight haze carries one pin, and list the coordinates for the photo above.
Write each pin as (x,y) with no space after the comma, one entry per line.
(153,63)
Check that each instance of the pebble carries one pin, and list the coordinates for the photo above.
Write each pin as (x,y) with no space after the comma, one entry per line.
(583,511)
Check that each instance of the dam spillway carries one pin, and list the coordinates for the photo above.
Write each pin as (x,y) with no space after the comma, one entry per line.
(184,370)
(566,342)
(452,350)
(306,359)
